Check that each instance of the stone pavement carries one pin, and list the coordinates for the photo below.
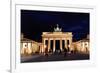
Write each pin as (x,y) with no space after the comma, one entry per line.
(54,57)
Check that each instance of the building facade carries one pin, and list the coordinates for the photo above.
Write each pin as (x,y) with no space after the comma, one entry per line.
(64,39)
(82,46)
(53,41)
(29,46)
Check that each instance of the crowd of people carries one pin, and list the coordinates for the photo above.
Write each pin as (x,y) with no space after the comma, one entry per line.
(65,52)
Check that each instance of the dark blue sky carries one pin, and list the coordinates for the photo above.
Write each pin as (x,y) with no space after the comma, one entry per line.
(33,23)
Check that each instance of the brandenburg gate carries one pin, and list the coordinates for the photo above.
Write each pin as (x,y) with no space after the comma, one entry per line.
(57,35)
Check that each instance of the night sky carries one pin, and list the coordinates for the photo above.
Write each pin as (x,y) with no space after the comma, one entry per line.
(33,23)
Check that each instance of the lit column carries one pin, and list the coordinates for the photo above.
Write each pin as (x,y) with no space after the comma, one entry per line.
(61,44)
(87,46)
(65,44)
(70,43)
(42,45)
(48,45)
(27,48)
(83,46)
(53,45)
(22,51)
(43,41)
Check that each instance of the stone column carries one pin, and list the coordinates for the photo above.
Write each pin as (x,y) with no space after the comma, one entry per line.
(53,45)
(61,44)
(48,45)
(43,41)
(70,43)
(65,44)
(27,48)
(83,47)
(21,46)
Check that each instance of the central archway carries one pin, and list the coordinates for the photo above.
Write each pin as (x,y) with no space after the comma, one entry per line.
(57,45)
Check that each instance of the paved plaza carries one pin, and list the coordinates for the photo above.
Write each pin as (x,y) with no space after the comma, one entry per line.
(54,57)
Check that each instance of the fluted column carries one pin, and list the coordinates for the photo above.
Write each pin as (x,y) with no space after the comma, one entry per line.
(65,44)
(43,41)
(48,45)
(70,44)
(53,45)
(61,44)
(83,46)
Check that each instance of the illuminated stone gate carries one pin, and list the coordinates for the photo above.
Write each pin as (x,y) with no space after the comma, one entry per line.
(56,35)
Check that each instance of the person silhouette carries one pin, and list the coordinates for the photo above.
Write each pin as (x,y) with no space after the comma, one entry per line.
(65,52)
